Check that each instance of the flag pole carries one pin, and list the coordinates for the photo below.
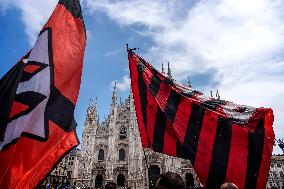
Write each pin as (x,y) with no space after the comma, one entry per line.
(129,49)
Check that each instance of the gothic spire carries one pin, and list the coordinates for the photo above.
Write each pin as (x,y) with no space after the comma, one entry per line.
(189,82)
(98,119)
(114,95)
(96,102)
(169,71)
(217,95)
(96,108)
(163,70)
(91,116)
(113,105)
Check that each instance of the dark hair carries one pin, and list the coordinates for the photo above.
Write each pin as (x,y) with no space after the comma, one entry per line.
(170,180)
(229,185)
(110,185)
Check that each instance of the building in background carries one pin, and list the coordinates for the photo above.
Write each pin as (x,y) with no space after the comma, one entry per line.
(66,170)
(276,173)
(112,151)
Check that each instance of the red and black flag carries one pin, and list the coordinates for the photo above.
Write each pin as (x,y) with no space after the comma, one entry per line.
(37,99)
(223,141)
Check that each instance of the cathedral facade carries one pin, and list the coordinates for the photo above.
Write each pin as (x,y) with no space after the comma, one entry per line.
(112,151)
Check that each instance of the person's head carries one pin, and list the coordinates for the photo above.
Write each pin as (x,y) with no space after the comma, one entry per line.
(110,185)
(170,180)
(228,185)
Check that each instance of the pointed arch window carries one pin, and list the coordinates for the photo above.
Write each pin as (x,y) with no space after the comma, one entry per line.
(121,154)
(122,133)
(101,155)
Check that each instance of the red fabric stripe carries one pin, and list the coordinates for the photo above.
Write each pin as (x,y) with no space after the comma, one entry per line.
(163,94)
(134,84)
(170,140)
(151,115)
(17,108)
(206,141)
(31,68)
(67,79)
(237,165)
(267,150)
(181,119)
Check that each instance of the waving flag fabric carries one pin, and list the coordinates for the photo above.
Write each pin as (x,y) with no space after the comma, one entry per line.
(223,141)
(37,100)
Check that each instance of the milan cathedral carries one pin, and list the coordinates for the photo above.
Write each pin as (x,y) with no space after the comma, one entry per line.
(112,151)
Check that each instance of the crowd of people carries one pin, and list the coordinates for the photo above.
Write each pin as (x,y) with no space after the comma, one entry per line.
(167,180)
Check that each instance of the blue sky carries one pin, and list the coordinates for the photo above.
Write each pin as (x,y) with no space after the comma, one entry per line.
(223,45)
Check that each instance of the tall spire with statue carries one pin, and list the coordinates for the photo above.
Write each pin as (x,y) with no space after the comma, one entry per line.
(189,82)
(163,70)
(88,143)
(169,71)
(112,135)
(113,106)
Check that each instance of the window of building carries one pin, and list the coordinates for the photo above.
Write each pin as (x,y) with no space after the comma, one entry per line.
(122,133)
(281,174)
(153,175)
(120,180)
(121,154)
(101,155)
(99,181)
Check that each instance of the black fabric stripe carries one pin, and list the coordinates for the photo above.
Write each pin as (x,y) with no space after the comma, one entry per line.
(27,76)
(189,148)
(172,105)
(60,110)
(143,94)
(8,87)
(73,6)
(213,104)
(220,154)
(169,81)
(255,148)
(180,151)
(155,85)
(159,131)
(29,98)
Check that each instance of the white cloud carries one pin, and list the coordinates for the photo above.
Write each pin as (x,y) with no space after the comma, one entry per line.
(241,42)
(34,14)
(124,84)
